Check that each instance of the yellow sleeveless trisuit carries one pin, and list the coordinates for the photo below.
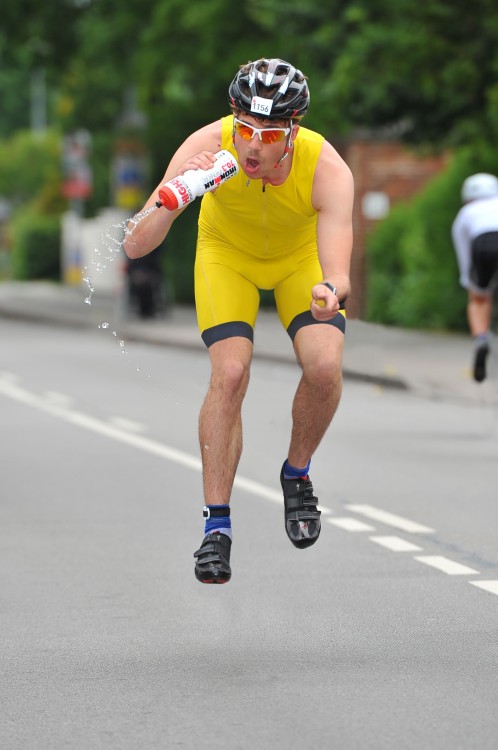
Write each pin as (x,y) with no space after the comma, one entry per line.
(252,238)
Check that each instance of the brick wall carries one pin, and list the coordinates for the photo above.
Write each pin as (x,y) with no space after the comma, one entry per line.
(384,172)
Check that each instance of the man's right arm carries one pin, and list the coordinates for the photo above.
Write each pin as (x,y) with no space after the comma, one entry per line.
(145,233)
(461,244)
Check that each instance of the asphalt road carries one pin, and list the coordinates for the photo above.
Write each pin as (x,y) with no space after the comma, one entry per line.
(383,635)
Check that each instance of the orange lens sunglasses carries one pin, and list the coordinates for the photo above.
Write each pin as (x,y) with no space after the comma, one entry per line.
(267,135)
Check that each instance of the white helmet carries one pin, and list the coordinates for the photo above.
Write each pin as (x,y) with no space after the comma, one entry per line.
(481,185)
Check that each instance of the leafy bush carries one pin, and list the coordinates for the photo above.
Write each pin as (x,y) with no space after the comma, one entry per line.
(30,169)
(35,246)
(30,179)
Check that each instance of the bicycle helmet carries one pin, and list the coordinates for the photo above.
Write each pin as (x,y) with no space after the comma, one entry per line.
(270,88)
(481,185)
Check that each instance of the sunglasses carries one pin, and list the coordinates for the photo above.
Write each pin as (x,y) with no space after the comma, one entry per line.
(267,135)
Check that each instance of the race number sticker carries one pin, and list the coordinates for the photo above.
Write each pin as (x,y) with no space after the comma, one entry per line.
(261,107)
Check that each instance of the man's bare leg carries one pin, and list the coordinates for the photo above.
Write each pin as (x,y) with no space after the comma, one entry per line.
(220,421)
(319,350)
(479,308)
(220,437)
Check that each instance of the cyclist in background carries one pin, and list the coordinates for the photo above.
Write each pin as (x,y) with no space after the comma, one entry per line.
(475,238)
(284,222)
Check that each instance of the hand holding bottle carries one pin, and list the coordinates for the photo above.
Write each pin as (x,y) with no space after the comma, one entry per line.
(185,188)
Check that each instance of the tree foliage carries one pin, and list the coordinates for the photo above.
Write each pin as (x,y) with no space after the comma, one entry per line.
(428,69)
(426,72)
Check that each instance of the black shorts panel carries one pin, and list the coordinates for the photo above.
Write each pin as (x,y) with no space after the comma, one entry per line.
(484,270)
(227,330)
(307,319)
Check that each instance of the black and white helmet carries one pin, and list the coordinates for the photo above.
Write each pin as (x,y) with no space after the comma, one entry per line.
(270,88)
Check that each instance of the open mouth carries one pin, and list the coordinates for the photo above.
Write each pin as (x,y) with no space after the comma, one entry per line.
(251,165)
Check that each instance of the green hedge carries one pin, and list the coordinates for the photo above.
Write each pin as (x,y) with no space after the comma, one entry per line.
(35,246)
(412,273)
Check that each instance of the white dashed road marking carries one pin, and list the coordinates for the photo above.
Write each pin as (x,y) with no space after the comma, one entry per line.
(376,514)
(447,566)
(395,543)
(350,524)
(491,586)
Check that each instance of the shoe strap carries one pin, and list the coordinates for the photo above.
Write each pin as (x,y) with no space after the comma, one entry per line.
(215,512)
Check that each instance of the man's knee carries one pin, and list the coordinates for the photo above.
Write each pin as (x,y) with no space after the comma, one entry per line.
(325,371)
(230,365)
(232,374)
(319,351)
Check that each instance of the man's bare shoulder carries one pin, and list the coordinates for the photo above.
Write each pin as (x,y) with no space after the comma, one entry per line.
(330,159)
(333,177)
(207,138)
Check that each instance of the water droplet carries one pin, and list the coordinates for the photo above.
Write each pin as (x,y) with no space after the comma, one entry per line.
(88,301)
(105,325)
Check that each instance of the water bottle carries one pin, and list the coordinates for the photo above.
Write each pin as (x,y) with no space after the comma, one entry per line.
(195,182)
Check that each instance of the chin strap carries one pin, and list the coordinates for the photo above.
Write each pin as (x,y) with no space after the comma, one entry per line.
(288,148)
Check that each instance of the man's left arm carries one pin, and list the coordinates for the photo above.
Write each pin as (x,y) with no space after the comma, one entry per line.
(333,194)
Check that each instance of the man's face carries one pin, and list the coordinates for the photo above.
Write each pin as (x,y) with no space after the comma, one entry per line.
(258,157)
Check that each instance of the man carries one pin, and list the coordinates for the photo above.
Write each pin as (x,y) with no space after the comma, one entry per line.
(475,237)
(284,222)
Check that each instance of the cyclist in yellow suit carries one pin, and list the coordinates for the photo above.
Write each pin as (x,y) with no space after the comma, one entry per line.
(284,222)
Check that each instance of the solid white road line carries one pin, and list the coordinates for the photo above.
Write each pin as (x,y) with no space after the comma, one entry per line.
(395,543)
(376,514)
(350,524)
(447,566)
(59,398)
(122,430)
(10,389)
(491,586)
(127,424)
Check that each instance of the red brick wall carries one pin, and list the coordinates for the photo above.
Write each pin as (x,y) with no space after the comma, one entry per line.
(386,167)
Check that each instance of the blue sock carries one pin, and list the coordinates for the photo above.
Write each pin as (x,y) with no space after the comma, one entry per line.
(291,472)
(481,338)
(222,524)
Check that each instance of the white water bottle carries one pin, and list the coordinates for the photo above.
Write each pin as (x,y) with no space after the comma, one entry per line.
(185,188)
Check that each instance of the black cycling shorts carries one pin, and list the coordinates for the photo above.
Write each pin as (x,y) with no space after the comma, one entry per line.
(484,270)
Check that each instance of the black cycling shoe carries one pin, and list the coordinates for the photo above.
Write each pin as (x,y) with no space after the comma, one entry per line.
(302,517)
(213,559)
(481,355)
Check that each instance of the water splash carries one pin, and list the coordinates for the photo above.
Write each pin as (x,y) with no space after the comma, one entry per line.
(111,244)
(88,282)
(131,224)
